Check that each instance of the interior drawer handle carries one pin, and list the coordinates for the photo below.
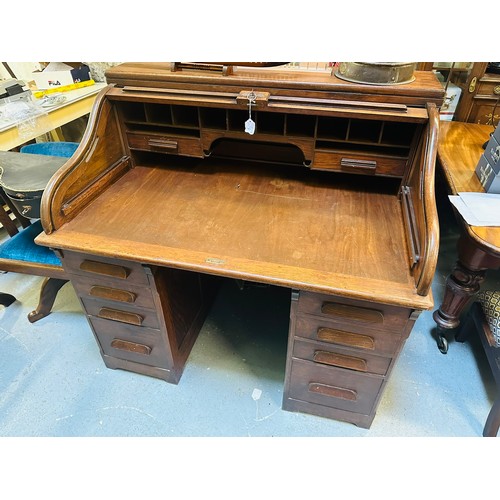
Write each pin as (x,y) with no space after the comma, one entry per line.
(122,316)
(333,392)
(168,145)
(353,312)
(352,164)
(125,345)
(345,338)
(92,266)
(105,292)
(340,360)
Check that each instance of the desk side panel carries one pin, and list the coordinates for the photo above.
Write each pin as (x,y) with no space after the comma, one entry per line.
(99,160)
(419,208)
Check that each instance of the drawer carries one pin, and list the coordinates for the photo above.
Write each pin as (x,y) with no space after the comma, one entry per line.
(488,87)
(353,162)
(124,292)
(325,354)
(354,312)
(185,146)
(122,313)
(352,337)
(333,387)
(139,344)
(103,267)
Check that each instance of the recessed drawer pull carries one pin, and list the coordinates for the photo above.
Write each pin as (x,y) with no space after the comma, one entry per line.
(105,292)
(125,345)
(112,270)
(352,312)
(332,391)
(353,164)
(345,338)
(122,316)
(340,360)
(167,145)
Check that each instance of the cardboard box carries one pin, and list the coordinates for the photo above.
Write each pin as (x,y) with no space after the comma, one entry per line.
(492,154)
(489,179)
(496,133)
(60,74)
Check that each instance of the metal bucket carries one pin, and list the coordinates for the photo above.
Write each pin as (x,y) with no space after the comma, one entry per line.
(378,73)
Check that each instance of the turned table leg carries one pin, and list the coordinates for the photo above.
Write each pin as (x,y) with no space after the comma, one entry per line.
(48,294)
(461,286)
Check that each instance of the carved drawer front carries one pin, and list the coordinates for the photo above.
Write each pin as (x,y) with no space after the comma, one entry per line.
(353,162)
(122,313)
(353,312)
(334,387)
(339,357)
(139,344)
(184,146)
(117,293)
(351,336)
(104,268)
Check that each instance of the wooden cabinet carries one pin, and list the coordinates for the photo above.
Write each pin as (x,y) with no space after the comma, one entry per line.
(331,196)
(480,90)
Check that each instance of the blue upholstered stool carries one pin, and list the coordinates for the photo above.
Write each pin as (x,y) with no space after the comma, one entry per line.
(20,254)
(65,149)
(22,247)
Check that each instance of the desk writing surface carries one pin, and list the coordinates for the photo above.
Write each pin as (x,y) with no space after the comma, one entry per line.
(459,150)
(269,223)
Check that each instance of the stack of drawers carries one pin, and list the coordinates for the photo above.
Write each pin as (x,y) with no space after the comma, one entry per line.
(340,354)
(120,300)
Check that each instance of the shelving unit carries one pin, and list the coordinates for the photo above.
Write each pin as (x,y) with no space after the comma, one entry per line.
(194,131)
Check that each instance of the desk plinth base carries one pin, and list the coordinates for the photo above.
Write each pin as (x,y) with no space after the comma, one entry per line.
(295,405)
(169,376)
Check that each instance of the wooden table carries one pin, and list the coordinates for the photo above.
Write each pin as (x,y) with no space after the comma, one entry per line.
(79,102)
(459,150)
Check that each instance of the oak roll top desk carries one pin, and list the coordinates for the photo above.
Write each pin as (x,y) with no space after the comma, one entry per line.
(332,197)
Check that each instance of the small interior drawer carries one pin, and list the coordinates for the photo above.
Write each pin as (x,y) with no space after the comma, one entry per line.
(348,311)
(105,268)
(354,337)
(139,344)
(352,162)
(122,293)
(121,313)
(185,146)
(333,387)
(331,355)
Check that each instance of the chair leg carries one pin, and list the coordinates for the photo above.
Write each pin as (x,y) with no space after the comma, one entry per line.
(6,299)
(493,420)
(48,294)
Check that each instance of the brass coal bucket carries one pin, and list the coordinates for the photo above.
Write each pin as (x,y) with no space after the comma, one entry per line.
(377,73)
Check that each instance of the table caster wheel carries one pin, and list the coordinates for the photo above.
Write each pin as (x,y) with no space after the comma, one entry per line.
(442,344)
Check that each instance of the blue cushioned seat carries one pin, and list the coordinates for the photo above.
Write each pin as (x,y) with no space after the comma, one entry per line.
(65,149)
(23,247)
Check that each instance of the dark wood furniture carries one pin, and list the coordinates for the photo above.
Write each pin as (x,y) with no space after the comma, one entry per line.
(459,150)
(476,323)
(20,254)
(332,197)
(479,99)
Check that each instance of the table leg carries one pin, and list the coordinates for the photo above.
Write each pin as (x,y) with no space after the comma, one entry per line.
(48,294)
(461,286)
